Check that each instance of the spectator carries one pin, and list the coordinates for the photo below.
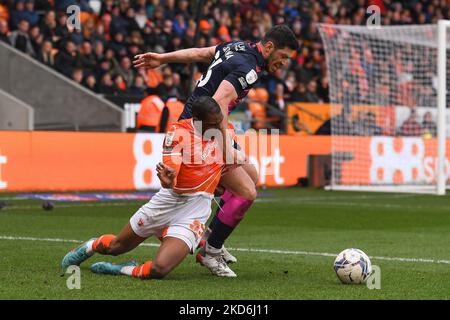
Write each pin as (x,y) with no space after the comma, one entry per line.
(106,84)
(277,100)
(107,7)
(29,14)
(308,72)
(99,51)
(126,71)
(411,127)
(141,16)
(311,92)
(138,87)
(299,95)
(91,83)
(179,25)
(366,125)
(119,85)
(118,22)
(118,45)
(277,107)
(48,26)
(77,75)
(46,54)
(130,19)
(175,44)
(323,89)
(183,9)
(75,35)
(429,127)
(4,32)
(273,80)
(20,39)
(104,66)
(43,5)
(114,64)
(87,57)
(17,15)
(67,59)
(36,38)
(99,34)
(61,31)
(164,35)
(166,88)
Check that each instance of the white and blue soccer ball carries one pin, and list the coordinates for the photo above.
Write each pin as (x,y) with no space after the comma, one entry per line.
(352,266)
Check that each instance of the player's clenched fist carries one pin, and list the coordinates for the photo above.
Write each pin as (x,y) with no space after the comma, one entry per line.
(148,60)
(166,175)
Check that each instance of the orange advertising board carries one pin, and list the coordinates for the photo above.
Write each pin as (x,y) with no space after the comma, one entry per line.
(306,118)
(387,160)
(63,161)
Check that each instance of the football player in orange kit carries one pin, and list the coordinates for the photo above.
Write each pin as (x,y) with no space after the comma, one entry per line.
(191,169)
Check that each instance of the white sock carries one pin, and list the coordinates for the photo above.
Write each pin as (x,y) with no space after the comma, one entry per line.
(127,270)
(211,250)
(89,249)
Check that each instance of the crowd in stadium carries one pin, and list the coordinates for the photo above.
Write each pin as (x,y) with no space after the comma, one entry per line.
(99,56)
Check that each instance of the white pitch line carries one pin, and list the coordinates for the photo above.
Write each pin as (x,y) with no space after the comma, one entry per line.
(249,250)
(303,202)
(74,205)
(298,201)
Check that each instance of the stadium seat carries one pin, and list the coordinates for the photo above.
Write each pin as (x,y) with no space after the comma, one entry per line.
(258,113)
(85,16)
(257,106)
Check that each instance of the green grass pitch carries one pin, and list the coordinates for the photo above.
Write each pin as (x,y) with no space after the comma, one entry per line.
(294,230)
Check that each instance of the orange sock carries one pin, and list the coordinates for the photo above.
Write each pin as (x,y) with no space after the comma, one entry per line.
(142,271)
(102,243)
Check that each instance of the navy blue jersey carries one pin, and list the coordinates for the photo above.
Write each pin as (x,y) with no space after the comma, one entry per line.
(238,62)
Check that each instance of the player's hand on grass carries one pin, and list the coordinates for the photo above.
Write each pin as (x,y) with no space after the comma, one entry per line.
(166,175)
(149,60)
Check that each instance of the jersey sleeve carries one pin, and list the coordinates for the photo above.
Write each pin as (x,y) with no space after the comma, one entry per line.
(242,75)
(173,148)
(222,45)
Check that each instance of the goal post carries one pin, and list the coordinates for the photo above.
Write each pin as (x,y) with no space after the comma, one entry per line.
(389,97)
(442,71)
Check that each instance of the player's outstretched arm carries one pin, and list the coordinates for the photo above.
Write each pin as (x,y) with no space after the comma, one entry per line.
(152,60)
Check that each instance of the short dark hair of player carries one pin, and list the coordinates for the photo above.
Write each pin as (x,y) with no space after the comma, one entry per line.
(282,37)
(205,106)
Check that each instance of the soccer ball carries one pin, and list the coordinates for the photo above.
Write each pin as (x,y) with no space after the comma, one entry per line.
(352,266)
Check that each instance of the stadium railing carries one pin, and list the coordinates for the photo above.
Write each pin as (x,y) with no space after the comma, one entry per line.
(58,102)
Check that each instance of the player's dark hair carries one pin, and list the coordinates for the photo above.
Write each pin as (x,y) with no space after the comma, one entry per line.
(282,37)
(204,106)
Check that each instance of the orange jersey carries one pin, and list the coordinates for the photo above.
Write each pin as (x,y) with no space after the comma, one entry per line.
(198,162)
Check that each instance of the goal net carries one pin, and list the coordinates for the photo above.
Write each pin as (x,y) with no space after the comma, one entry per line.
(389,90)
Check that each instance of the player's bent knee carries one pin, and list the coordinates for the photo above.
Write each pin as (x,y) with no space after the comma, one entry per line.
(252,172)
(251,193)
(247,192)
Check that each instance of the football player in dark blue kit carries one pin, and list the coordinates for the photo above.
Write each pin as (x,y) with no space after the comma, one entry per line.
(234,68)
